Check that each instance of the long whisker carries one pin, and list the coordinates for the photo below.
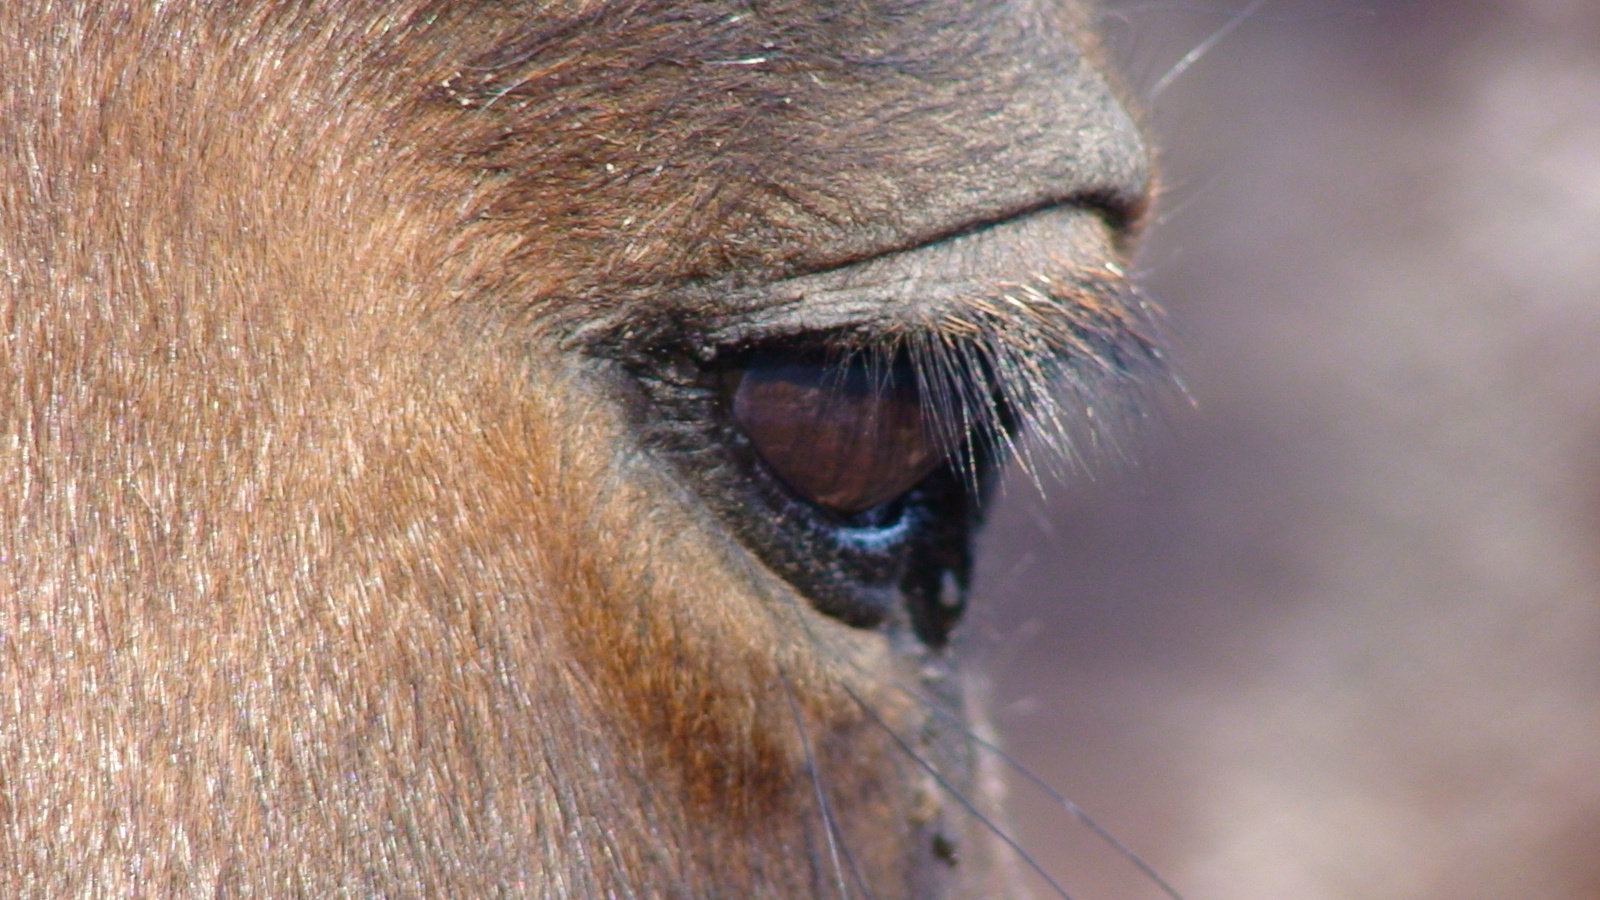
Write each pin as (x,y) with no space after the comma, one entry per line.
(837,848)
(938,777)
(829,825)
(910,752)
(1204,47)
(956,795)
(1074,809)
(1077,812)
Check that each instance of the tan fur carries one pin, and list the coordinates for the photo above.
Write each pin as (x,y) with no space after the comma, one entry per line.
(328,568)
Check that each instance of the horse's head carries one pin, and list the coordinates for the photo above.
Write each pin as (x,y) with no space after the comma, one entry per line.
(484,449)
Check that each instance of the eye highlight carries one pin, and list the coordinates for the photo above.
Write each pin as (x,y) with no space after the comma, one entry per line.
(845,435)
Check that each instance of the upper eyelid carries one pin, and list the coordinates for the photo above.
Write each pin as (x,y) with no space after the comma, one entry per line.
(910,289)
(894,293)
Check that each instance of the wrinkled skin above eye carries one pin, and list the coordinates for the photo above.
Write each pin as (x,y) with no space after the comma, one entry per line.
(847,437)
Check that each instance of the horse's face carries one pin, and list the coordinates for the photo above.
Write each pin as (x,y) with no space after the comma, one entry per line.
(476,449)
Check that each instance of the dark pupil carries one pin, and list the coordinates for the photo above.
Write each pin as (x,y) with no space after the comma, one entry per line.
(847,437)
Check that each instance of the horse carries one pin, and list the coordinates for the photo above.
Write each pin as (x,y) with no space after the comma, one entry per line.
(476,448)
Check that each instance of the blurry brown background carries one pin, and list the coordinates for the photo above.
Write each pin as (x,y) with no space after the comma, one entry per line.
(1338,634)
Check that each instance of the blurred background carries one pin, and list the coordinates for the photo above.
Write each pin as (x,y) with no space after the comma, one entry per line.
(1336,634)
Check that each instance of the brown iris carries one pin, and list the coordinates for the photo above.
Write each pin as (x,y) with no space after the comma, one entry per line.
(846,437)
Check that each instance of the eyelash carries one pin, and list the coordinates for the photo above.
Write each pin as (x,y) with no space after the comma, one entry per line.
(847,431)
(1029,388)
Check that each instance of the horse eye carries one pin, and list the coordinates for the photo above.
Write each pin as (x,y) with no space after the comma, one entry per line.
(846,437)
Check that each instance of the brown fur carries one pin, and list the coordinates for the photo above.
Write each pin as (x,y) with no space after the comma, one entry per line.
(329,569)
